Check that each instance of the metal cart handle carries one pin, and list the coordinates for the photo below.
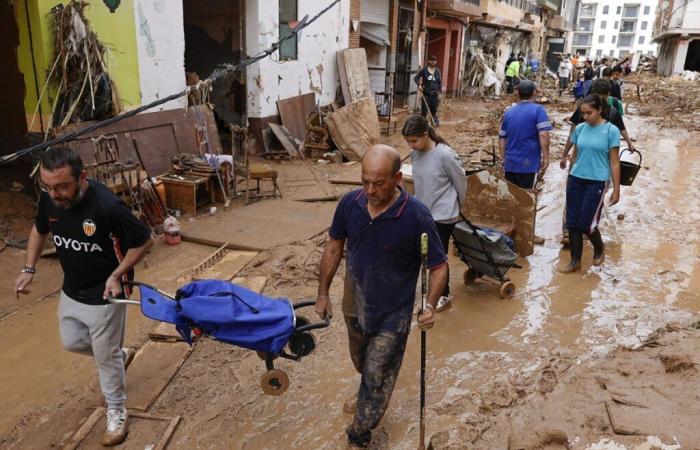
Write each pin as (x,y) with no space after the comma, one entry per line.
(126,301)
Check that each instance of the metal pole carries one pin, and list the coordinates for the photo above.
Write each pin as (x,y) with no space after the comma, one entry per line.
(423,344)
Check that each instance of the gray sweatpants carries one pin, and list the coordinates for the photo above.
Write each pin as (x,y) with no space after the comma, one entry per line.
(97,331)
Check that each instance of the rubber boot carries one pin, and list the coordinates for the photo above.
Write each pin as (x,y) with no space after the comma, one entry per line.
(598,247)
(576,249)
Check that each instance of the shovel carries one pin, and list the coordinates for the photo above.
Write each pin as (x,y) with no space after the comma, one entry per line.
(424,293)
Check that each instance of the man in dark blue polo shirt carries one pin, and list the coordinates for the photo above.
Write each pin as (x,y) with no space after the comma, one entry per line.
(381,225)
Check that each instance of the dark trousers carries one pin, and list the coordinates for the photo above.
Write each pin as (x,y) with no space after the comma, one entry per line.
(523,180)
(432,103)
(378,358)
(584,203)
(563,84)
(445,232)
(510,84)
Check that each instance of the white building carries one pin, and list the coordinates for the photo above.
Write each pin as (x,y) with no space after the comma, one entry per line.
(614,28)
(677,31)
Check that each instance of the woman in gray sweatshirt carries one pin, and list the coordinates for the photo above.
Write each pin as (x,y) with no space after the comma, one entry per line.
(439,181)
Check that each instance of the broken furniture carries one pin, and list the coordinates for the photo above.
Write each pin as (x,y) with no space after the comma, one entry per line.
(243,168)
(186,192)
(317,141)
(385,107)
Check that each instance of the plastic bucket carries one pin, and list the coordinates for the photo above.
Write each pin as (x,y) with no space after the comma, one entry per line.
(629,169)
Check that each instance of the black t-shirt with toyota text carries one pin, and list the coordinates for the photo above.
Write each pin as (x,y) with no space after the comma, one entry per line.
(91,238)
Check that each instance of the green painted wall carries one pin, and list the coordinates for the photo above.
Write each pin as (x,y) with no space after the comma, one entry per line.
(117,31)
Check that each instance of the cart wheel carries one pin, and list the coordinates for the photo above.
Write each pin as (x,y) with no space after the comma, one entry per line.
(274,382)
(470,276)
(301,321)
(507,289)
(262,355)
(302,344)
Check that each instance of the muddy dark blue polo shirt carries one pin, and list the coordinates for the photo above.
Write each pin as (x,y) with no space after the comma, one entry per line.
(383,257)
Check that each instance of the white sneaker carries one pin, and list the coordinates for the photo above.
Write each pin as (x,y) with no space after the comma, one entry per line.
(443,304)
(116,427)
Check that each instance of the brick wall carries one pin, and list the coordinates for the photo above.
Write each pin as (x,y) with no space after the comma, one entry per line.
(354,41)
(394,24)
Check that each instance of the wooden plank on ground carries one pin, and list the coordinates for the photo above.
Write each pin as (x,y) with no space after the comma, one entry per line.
(354,128)
(285,138)
(154,365)
(227,268)
(145,431)
(255,283)
(294,111)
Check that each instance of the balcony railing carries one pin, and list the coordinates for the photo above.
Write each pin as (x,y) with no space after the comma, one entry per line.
(524,6)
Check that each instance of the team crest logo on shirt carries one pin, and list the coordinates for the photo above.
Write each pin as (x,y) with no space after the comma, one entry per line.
(89,227)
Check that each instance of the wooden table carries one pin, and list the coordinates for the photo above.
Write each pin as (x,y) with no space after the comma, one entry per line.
(187,192)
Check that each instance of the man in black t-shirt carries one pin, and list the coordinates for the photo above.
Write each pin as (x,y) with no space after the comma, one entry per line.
(429,81)
(98,241)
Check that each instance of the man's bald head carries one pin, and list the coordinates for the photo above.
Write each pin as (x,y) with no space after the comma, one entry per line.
(381,157)
(381,173)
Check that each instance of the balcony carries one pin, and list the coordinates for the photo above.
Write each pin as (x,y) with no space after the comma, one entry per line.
(552,5)
(588,11)
(559,23)
(456,8)
(582,39)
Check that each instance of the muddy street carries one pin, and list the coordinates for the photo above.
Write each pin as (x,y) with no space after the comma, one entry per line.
(491,362)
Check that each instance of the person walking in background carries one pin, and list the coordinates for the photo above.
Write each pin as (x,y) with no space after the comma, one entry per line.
(616,78)
(588,73)
(564,73)
(524,140)
(429,81)
(439,180)
(98,241)
(595,160)
(382,226)
(613,100)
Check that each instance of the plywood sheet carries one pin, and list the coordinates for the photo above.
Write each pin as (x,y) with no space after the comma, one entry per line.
(493,201)
(154,365)
(294,111)
(145,431)
(354,128)
(354,78)
(227,268)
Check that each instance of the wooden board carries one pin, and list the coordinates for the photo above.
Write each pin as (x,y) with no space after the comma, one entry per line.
(227,267)
(493,201)
(354,74)
(285,138)
(294,111)
(145,431)
(255,283)
(154,365)
(354,128)
(352,176)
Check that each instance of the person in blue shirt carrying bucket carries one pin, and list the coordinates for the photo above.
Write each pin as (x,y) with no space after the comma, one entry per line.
(381,225)
(595,158)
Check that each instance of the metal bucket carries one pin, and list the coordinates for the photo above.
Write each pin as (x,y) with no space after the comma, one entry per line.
(628,169)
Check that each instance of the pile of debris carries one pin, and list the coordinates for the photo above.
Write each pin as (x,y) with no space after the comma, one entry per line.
(675,99)
(479,75)
(647,64)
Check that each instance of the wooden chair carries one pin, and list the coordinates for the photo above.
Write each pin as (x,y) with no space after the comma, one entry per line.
(255,171)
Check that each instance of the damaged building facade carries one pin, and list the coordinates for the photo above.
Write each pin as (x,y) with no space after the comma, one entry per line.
(677,31)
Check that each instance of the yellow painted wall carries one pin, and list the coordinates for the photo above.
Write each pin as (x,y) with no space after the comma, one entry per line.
(117,32)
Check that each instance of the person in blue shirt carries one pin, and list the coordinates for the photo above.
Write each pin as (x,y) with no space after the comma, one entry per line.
(381,225)
(594,161)
(524,139)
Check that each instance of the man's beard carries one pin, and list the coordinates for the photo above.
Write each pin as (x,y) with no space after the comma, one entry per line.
(75,201)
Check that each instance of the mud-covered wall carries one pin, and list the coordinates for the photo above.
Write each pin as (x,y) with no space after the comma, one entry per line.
(161,49)
(314,70)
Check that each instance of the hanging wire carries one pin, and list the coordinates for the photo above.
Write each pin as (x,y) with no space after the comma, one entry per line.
(218,73)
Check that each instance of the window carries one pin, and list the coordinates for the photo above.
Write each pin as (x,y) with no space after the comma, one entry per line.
(598,53)
(606,9)
(644,25)
(585,25)
(612,52)
(641,39)
(630,11)
(628,26)
(601,39)
(614,39)
(588,10)
(647,10)
(625,40)
(603,24)
(582,39)
(617,24)
(288,14)
(624,53)
(619,9)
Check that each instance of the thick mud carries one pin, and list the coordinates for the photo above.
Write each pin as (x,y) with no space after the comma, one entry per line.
(493,364)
